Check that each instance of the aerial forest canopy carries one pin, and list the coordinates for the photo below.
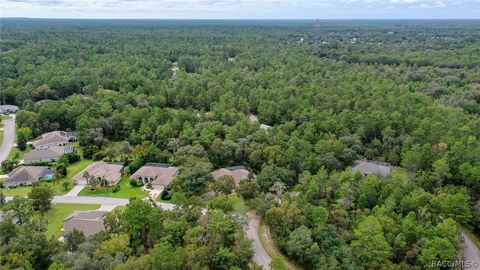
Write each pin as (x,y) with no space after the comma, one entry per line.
(185,93)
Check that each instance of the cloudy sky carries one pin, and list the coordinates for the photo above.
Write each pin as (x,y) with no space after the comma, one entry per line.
(243,9)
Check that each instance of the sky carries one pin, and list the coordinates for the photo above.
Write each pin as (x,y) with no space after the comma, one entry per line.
(242,9)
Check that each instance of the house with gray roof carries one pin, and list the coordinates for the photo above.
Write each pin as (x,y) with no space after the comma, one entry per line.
(238,173)
(110,171)
(160,175)
(8,109)
(54,138)
(51,154)
(88,222)
(27,175)
(367,167)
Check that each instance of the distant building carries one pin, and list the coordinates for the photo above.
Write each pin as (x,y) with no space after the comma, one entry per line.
(238,173)
(160,175)
(41,102)
(88,222)
(51,154)
(27,175)
(110,171)
(8,109)
(265,127)
(54,138)
(367,167)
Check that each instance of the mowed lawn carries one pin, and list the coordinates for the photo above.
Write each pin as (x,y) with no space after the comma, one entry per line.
(59,212)
(58,188)
(17,153)
(126,191)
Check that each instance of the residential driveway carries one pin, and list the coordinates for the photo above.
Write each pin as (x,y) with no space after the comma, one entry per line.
(260,256)
(75,190)
(8,138)
(471,254)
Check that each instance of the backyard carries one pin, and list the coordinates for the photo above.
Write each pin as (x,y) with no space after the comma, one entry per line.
(126,191)
(57,186)
(17,154)
(59,212)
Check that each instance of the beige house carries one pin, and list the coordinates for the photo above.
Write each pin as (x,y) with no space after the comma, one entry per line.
(110,171)
(88,222)
(238,173)
(160,175)
(54,138)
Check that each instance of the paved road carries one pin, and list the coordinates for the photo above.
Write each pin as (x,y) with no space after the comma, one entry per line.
(8,138)
(471,254)
(98,200)
(260,256)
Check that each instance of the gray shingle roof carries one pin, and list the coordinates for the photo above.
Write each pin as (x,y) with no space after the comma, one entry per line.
(46,154)
(88,222)
(8,108)
(53,138)
(367,167)
(26,175)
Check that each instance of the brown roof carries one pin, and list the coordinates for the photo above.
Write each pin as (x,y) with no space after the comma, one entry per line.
(238,173)
(159,173)
(112,172)
(88,222)
(52,138)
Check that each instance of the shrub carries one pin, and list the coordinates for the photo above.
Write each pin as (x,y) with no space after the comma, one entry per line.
(166,194)
(135,183)
(98,156)
(116,189)
(72,157)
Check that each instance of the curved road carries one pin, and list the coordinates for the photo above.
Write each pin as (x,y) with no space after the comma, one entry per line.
(260,256)
(8,138)
(471,254)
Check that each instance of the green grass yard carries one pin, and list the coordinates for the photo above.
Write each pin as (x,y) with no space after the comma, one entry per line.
(58,188)
(126,191)
(17,153)
(239,205)
(59,212)
(77,167)
(22,191)
(6,117)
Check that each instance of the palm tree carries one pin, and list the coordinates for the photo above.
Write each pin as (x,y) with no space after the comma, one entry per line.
(86,176)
